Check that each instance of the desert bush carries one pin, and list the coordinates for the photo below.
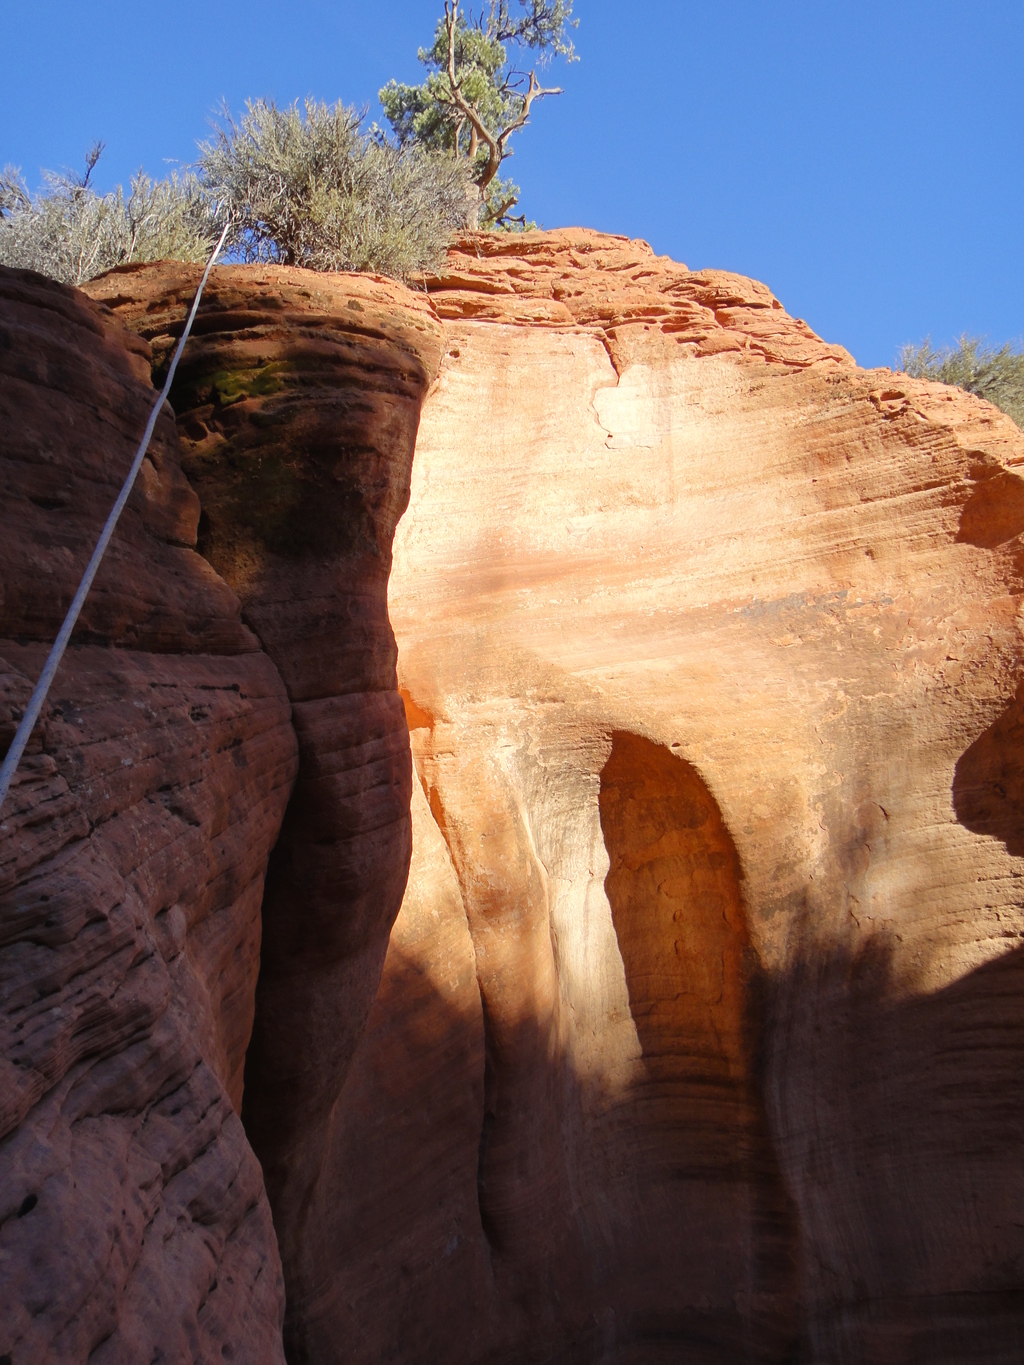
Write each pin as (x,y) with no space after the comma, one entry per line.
(306,187)
(996,375)
(71,233)
(303,187)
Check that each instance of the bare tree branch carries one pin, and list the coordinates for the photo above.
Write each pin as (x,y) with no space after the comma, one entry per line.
(91,157)
(508,204)
(496,144)
(534,92)
(451,15)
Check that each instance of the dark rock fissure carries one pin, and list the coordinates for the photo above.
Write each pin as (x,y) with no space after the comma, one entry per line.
(299,446)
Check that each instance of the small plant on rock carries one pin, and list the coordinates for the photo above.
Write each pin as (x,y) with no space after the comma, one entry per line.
(996,375)
(72,234)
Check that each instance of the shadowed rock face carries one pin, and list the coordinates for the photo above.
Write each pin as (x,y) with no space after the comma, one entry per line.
(675,893)
(673,885)
(133,1219)
(299,400)
(988,786)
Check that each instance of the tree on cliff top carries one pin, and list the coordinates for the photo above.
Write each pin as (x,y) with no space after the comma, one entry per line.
(475,97)
(997,376)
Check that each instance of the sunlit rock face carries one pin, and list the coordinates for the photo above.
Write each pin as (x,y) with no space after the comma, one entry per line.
(711,652)
(134,1225)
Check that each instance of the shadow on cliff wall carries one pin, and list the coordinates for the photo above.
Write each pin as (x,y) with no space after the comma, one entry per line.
(488,1214)
(279,474)
(988,784)
(994,513)
(459,1240)
(674,886)
(900,1122)
(407,1272)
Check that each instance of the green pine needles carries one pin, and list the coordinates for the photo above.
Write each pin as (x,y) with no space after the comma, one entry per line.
(475,96)
(996,375)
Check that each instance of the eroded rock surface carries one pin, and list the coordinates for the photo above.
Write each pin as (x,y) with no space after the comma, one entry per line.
(699,1028)
(712,650)
(299,399)
(134,1224)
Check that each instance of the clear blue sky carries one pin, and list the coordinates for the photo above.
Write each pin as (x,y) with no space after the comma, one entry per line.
(863,158)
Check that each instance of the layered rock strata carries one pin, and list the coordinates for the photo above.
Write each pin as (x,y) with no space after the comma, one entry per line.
(298,399)
(134,1224)
(698,1028)
(712,651)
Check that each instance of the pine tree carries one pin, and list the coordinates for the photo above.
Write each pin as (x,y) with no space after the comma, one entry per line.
(476,97)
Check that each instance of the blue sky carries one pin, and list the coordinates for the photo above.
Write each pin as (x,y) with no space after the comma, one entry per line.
(863,158)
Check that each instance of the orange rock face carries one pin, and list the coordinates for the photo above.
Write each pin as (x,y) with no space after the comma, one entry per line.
(133,1219)
(711,648)
(698,1031)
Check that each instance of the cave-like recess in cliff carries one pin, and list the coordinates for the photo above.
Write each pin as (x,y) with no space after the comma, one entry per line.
(674,884)
(674,888)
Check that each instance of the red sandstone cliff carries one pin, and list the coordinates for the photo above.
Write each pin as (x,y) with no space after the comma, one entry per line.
(133,846)
(298,399)
(697,1032)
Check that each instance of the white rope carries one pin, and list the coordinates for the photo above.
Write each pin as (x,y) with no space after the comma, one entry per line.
(38,697)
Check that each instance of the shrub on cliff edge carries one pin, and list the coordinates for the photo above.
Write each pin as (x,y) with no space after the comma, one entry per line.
(71,233)
(303,187)
(308,188)
(997,376)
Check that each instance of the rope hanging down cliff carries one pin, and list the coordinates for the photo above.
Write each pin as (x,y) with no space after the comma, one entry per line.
(42,687)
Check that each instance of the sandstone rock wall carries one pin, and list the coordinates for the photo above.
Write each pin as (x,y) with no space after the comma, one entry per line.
(698,1030)
(712,649)
(298,399)
(133,1219)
